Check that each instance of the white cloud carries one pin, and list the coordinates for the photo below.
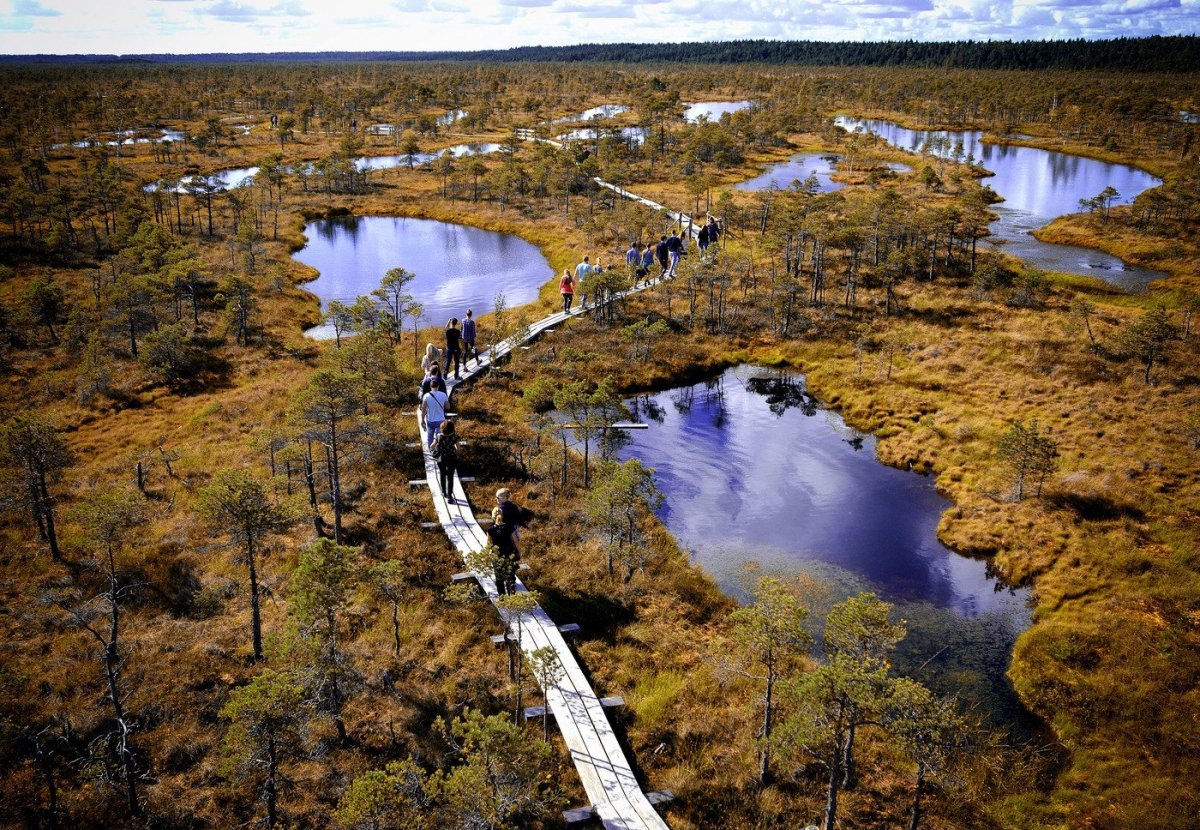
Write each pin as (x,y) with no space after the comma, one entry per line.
(32,8)
(314,25)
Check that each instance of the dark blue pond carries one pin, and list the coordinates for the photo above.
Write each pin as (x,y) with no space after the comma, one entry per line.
(755,470)
(1037,186)
(457,267)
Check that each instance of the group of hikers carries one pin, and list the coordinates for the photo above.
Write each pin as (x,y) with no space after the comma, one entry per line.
(640,260)
(440,436)
(443,442)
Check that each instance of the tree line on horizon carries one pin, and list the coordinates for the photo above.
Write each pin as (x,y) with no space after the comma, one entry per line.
(1176,53)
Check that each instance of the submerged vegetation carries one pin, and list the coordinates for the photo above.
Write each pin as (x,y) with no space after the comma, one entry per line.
(221,605)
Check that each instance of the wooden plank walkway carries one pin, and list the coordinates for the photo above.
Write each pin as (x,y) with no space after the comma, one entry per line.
(679,218)
(608,778)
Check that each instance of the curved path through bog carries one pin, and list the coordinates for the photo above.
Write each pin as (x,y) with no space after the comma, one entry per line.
(608,778)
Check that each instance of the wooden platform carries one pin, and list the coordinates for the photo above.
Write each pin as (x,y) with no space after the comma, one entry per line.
(617,799)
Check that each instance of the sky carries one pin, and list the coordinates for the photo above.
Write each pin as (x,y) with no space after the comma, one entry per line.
(189,26)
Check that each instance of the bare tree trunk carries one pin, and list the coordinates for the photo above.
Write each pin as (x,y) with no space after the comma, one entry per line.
(255,610)
(915,821)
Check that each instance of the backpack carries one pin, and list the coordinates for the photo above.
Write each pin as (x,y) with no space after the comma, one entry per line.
(443,448)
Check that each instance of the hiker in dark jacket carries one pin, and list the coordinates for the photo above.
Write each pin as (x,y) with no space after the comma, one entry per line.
(453,346)
(661,251)
(445,452)
(505,555)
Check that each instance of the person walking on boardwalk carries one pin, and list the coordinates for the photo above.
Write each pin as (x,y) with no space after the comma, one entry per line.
(512,512)
(647,262)
(633,258)
(566,287)
(468,338)
(714,232)
(663,256)
(582,270)
(453,347)
(702,241)
(432,357)
(674,251)
(433,412)
(504,553)
(445,452)
(433,380)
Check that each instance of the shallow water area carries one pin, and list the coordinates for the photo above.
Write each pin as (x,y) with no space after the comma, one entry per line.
(481,148)
(602,111)
(712,110)
(1037,186)
(632,136)
(755,470)
(799,167)
(456,266)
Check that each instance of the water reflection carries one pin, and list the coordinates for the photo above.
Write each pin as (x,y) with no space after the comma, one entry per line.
(602,111)
(712,110)
(1037,186)
(457,266)
(743,460)
(755,471)
(632,136)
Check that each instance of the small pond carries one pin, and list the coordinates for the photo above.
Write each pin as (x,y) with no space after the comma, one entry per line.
(481,148)
(755,470)
(602,111)
(712,110)
(799,167)
(632,136)
(1037,186)
(457,267)
(243,176)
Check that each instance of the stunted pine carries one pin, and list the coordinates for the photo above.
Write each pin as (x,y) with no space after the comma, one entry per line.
(238,505)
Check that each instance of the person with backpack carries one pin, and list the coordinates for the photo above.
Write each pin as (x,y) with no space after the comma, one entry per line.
(433,412)
(513,514)
(702,240)
(505,556)
(445,452)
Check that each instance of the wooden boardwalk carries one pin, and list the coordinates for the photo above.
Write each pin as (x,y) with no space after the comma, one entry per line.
(617,799)
(679,218)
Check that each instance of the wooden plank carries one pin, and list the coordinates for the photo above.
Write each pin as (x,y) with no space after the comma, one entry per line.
(532,712)
(612,702)
(579,815)
(569,628)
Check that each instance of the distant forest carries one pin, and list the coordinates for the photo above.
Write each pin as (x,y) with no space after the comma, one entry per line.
(1151,54)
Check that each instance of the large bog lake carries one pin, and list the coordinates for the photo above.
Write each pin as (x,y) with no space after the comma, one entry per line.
(1037,186)
(457,266)
(756,471)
